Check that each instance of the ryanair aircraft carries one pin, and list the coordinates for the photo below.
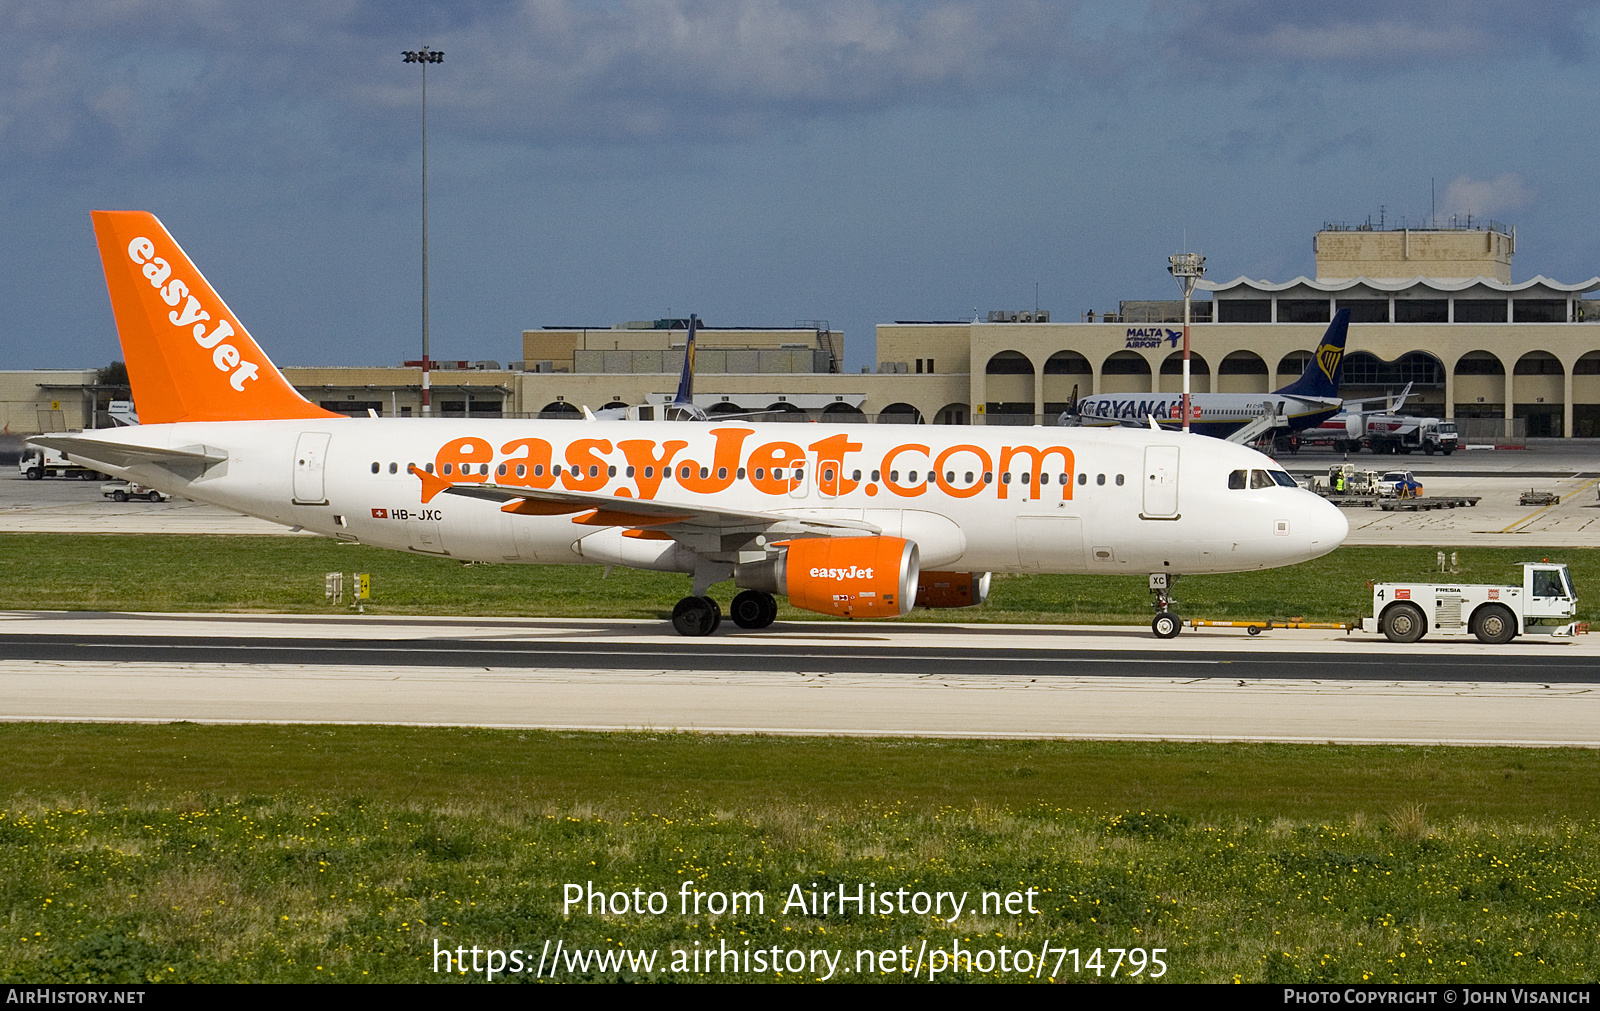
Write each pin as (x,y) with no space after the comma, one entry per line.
(1305,403)
(851,521)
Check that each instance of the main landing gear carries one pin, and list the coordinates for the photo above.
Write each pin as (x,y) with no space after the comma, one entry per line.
(702,615)
(1166,625)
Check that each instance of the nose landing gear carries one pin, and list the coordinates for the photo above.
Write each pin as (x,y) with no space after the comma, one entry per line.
(1166,624)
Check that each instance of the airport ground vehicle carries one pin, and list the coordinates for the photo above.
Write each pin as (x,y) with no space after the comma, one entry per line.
(844,521)
(43,461)
(1349,432)
(122,491)
(1398,484)
(1405,612)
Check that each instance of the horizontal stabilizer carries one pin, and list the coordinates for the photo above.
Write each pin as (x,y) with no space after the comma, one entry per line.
(122,455)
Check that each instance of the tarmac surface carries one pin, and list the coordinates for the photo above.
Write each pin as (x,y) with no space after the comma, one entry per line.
(824,678)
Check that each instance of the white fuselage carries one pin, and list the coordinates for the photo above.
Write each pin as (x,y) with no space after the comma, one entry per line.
(1134,501)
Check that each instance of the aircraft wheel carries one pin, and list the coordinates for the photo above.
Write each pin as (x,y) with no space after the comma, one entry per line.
(753,609)
(1166,625)
(119,496)
(695,616)
(1403,623)
(1494,624)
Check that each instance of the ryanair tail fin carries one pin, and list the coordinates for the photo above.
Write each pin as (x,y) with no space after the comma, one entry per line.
(1322,374)
(189,358)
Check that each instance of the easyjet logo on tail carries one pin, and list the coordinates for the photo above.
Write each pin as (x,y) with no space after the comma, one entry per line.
(175,291)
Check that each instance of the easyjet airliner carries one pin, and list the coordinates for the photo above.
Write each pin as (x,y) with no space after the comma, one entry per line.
(856,521)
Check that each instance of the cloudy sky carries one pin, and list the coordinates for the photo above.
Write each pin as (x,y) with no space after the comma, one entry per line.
(860,161)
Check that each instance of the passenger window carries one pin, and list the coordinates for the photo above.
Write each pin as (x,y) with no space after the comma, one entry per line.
(611,471)
(501,470)
(912,477)
(1005,478)
(875,475)
(1099,479)
(741,473)
(394,468)
(722,473)
(855,475)
(988,477)
(1026,477)
(629,471)
(1083,478)
(374,466)
(761,473)
(447,468)
(522,470)
(1119,480)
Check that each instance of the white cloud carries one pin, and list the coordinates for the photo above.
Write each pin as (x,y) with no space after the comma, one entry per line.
(1482,198)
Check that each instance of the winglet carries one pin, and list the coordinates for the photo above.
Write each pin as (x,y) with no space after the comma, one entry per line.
(189,358)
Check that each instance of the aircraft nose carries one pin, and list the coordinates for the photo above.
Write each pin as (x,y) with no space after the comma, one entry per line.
(1325,525)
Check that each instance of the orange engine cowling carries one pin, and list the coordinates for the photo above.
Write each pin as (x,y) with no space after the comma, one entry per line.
(952,589)
(852,577)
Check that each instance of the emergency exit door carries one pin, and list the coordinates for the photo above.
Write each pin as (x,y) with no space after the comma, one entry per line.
(1160,483)
(310,461)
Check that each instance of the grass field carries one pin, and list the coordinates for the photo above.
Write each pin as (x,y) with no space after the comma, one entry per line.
(185,852)
(285,574)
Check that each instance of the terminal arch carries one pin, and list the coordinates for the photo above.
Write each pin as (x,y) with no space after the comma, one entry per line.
(1125,372)
(840,412)
(899,414)
(1172,373)
(953,414)
(1242,372)
(1064,372)
(1008,385)
(560,409)
(1480,385)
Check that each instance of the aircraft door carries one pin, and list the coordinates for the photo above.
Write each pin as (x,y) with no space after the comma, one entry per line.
(310,460)
(1160,483)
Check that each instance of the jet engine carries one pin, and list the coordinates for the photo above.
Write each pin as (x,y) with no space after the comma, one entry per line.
(851,577)
(952,589)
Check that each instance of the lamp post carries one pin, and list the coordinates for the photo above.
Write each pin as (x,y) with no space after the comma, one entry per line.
(424,56)
(1187,268)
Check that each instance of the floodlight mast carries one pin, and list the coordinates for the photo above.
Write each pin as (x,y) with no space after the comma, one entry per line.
(424,56)
(1187,269)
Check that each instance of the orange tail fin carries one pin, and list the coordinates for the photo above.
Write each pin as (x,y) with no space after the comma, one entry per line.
(189,358)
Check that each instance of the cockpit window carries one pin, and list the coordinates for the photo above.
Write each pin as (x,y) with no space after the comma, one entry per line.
(1260,479)
(1237,479)
(1283,479)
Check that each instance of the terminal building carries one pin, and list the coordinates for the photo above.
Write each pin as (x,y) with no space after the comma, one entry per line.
(1433,308)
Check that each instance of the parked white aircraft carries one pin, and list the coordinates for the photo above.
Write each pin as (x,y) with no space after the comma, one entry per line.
(853,521)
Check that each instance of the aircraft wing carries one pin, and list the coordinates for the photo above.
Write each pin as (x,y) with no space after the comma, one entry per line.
(614,510)
(117,454)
